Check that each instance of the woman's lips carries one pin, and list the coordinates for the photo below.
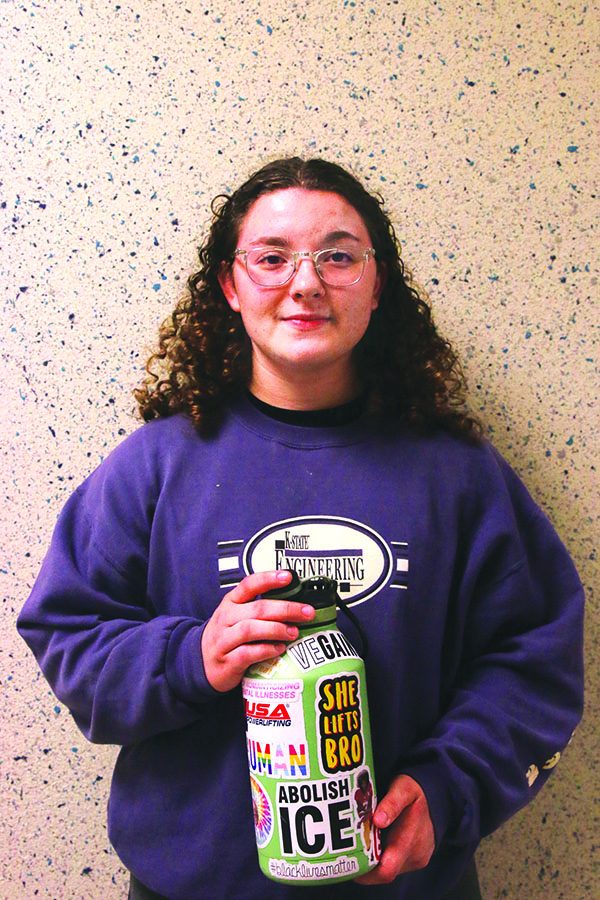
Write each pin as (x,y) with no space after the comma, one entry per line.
(306,322)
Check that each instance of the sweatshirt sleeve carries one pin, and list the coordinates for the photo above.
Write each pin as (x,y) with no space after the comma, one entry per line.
(124,672)
(517,693)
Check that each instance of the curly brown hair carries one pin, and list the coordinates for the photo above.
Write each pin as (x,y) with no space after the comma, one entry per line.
(405,367)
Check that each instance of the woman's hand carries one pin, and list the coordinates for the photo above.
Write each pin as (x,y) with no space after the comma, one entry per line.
(239,633)
(409,839)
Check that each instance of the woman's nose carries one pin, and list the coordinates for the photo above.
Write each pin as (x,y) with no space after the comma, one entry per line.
(305,280)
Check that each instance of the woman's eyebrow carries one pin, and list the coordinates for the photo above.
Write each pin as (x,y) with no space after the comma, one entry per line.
(340,235)
(269,241)
(279,241)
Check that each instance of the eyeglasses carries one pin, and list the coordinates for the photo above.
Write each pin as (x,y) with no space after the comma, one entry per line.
(336,266)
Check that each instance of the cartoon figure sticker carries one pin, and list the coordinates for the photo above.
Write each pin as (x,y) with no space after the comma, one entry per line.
(363,798)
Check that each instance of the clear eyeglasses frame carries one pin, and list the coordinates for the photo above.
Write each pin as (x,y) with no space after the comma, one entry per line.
(335,266)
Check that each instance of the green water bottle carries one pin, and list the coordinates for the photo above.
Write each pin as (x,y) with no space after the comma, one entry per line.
(309,751)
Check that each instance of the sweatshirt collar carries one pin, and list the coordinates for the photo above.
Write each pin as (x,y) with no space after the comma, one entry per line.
(298,435)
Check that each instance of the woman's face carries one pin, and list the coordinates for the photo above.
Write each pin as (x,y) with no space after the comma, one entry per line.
(304,327)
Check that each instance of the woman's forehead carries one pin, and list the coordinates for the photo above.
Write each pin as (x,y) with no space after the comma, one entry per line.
(299,211)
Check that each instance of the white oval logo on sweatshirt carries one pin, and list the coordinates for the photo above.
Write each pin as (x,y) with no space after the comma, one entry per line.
(352,553)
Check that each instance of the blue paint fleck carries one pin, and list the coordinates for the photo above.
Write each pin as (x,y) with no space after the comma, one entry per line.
(156,287)
(493,277)
(57,710)
(570,441)
(532,185)
(573,148)
(527,335)
(421,186)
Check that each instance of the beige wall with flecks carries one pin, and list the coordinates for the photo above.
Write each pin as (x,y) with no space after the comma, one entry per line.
(119,122)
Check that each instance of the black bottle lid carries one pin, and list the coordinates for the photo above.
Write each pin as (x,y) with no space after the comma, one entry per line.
(318,592)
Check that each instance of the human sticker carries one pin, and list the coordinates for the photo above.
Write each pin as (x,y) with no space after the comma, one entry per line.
(341,744)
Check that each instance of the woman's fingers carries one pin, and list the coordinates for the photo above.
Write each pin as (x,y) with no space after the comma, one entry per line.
(247,655)
(258,583)
(253,631)
(240,632)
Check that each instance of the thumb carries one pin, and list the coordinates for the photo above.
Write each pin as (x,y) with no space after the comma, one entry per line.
(402,792)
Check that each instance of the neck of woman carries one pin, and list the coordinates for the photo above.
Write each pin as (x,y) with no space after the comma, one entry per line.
(304,391)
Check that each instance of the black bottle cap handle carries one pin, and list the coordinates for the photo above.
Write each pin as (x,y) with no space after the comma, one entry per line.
(318,592)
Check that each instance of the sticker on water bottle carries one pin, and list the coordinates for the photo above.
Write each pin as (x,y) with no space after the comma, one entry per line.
(339,723)
(263,813)
(275,729)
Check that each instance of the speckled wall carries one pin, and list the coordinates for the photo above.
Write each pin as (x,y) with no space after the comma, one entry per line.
(120,121)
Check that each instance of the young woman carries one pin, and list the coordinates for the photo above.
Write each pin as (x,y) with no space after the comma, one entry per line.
(303,412)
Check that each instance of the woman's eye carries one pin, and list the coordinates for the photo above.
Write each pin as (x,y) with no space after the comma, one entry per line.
(338,257)
(270,260)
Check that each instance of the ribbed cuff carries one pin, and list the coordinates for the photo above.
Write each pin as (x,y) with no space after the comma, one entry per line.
(438,796)
(184,666)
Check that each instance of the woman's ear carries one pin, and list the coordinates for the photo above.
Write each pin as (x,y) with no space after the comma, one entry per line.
(225,277)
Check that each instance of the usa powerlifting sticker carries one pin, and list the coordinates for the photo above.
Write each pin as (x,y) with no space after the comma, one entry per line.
(275,729)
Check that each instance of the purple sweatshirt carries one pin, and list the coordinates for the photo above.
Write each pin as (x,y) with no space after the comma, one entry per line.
(471,605)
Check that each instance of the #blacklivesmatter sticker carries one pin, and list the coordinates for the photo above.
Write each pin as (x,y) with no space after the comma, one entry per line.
(275,730)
